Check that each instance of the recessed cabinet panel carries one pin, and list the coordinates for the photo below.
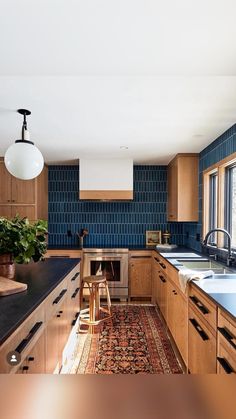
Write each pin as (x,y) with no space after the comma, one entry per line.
(183,188)
(5,184)
(23,191)
(140,277)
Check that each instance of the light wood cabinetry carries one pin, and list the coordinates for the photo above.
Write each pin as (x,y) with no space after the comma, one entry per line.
(183,188)
(41,338)
(201,343)
(34,363)
(28,198)
(140,274)
(226,344)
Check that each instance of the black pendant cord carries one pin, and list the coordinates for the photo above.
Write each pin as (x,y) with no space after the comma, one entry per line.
(24,127)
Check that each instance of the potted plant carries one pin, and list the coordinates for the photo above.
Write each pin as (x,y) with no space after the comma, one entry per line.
(20,242)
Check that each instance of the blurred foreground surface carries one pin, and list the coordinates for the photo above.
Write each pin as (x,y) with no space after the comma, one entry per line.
(126,397)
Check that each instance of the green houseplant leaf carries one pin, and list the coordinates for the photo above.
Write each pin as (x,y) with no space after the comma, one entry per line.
(25,241)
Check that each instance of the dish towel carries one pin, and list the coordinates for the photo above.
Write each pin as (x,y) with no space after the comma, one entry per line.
(187,275)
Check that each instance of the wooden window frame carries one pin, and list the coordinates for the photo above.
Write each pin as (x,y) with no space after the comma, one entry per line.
(219,168)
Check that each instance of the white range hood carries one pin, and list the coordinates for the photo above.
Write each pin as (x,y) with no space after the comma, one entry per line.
(106,180)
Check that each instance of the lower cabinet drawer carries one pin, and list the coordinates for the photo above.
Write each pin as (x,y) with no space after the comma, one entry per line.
(34,363)
(23,339)
(201,346)
(226,364)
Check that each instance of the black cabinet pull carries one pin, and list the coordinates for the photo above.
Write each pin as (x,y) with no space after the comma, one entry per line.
(141,257)
(75,293)
(174,292)
(225,365)
(28,338)
(162,278)
(199,329)
(58,315)
(74,321)
(59,256)
(25,368)
(31,359)
(56,301)
(228,336)
(162,265)
(199,305)
(75,276)
(61,311)
(157,260)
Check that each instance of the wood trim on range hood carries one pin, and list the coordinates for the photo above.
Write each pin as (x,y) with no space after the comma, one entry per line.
(106,195)
(106,179)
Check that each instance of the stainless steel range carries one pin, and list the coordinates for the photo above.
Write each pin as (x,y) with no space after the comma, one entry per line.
(113,263)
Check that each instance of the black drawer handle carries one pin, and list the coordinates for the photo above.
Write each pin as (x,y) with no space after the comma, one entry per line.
(199,305)
(225,365)
(228,336)
(140,257)
(157,260)
(75,319)
(75,276)
(199,329)
(75,293)
(56,301)
(28,338)
(59,256)
(162,265)
(162,278)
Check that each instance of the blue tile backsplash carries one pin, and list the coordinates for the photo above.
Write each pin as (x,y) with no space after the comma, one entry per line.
(109,223)
(222,147)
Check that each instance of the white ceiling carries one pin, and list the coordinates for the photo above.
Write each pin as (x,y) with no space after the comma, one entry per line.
(156,76)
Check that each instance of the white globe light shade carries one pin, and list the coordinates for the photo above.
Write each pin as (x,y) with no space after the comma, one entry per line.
(24,160)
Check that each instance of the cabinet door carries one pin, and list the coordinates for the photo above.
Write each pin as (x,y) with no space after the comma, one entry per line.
(52,342)
(64,327)
(23,191)
(162,287)
(35,361)
(181,324)
(5,184)
(5,211)
(171,308)
(201,346)
(155,283)
(172,191)
(24,211)
(141,277)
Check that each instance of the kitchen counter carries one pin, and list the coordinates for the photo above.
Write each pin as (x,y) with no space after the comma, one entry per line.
(113,246)
(41,278)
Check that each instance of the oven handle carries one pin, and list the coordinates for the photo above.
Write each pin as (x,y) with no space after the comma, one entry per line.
(105,258)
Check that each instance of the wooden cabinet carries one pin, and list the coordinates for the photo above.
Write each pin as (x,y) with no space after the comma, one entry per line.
(34,363)
(28,198)
(201,344)
(183,188)
(177,315)
(226,344)
(140,274)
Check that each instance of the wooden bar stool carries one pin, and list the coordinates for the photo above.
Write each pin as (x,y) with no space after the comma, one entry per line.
(91,315)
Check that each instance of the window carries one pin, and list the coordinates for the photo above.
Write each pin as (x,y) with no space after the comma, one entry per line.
(213,181)
(230,210)
(219,201)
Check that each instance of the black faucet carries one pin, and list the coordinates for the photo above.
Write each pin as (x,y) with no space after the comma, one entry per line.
(230,257)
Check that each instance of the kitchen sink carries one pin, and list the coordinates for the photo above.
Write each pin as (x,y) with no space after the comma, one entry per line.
(219,284)
(205,264)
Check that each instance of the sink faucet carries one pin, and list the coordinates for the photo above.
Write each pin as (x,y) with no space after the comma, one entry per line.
(230,257)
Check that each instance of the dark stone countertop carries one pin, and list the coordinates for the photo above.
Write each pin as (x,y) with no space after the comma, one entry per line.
(114,246)
(41,278)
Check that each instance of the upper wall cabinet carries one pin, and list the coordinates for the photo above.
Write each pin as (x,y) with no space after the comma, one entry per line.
(28,198)
(183,188)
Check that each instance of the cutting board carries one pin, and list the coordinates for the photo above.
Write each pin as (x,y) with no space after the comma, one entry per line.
(8,286)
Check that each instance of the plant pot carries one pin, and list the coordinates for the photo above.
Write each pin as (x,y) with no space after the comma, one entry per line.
(7,266)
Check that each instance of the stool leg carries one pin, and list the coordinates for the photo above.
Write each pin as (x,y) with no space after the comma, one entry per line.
(81,295)
(97,302)
(92,308)
(108,298)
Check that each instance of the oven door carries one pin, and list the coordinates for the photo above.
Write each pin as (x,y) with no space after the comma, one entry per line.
(114,268)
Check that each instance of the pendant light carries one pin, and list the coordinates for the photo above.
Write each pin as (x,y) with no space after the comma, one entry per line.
(23,159)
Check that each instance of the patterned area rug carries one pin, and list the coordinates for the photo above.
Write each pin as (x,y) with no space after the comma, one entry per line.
(134,341)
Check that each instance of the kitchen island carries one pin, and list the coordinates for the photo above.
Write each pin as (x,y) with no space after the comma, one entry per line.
(40,319)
